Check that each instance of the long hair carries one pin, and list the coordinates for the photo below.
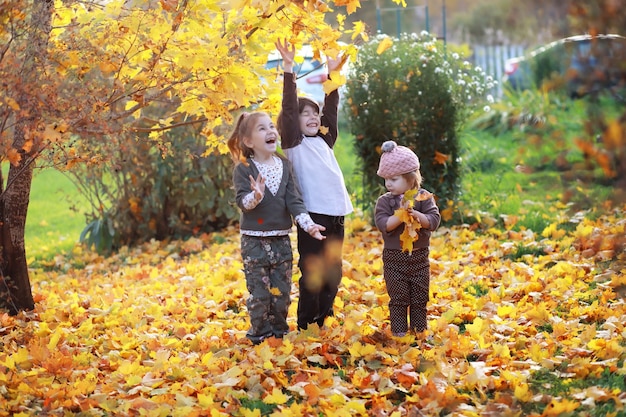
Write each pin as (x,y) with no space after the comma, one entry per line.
(239,152)
(302,103)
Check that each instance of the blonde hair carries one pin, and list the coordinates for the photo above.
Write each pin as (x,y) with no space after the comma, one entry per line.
(414,178)
(239,152)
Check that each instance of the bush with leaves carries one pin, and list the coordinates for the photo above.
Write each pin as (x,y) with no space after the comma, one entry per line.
(416,92)
(154,190)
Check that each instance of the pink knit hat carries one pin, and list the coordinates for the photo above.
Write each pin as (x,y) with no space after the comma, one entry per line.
(396,160)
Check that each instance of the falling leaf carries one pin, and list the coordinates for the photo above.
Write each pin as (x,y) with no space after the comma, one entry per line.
(441,158)
(385,44)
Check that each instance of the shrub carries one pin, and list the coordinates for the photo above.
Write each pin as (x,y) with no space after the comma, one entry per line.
(154,190)
(419,95)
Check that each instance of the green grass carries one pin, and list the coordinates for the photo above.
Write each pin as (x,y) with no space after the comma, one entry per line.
(52,226)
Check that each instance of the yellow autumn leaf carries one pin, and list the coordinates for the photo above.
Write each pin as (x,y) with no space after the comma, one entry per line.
(407,238)
(501,350)
(352,5)
(359,29)
(411,226)
(205,400)
(557,407)
(359,350)
(335,81)
(553,232)
(251,413)
(9,101)
(19,358)
(385,44)
(107,67)
(55,338)
(53,132)
(506,310)
(128,367)
(276,397)
(130,104)
(522,392)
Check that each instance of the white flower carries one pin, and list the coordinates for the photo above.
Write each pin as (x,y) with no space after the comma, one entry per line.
(489,98)
(486,108)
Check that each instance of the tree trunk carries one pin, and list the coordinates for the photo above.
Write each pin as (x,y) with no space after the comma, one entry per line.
(15,294)
(15,289)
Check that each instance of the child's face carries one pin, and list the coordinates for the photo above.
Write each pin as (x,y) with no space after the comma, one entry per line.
(263,137)
(397,185)
(310,121)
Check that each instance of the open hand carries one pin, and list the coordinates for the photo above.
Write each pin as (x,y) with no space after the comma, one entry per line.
(258,186)
(287,53)
(316,231)
(337,63)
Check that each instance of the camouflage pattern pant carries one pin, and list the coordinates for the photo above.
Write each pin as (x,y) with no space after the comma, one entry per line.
(407,277)
(267,263)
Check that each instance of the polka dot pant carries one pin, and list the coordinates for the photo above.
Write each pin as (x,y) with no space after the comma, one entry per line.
(407,277)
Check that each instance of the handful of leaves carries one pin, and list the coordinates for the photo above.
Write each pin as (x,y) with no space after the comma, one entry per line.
(411,225)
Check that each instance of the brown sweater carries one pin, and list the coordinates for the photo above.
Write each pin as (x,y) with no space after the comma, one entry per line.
(274,212)
(387,204)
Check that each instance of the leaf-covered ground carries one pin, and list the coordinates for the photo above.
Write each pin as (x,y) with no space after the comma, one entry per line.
(521,323)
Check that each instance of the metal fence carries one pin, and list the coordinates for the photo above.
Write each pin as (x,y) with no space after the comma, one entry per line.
(491,59)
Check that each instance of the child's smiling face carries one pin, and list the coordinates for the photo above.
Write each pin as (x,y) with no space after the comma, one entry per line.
(263,137)
(309,121)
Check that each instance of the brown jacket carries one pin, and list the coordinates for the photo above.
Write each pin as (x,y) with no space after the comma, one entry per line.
(387,204)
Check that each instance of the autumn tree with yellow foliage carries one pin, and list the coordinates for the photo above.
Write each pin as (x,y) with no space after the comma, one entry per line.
(74,69)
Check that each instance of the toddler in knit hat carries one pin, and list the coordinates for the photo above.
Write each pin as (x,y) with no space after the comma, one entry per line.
(406,216)
(396,160)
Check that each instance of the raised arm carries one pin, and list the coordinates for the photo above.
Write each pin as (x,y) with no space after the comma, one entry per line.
(289,123)
(331,103)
